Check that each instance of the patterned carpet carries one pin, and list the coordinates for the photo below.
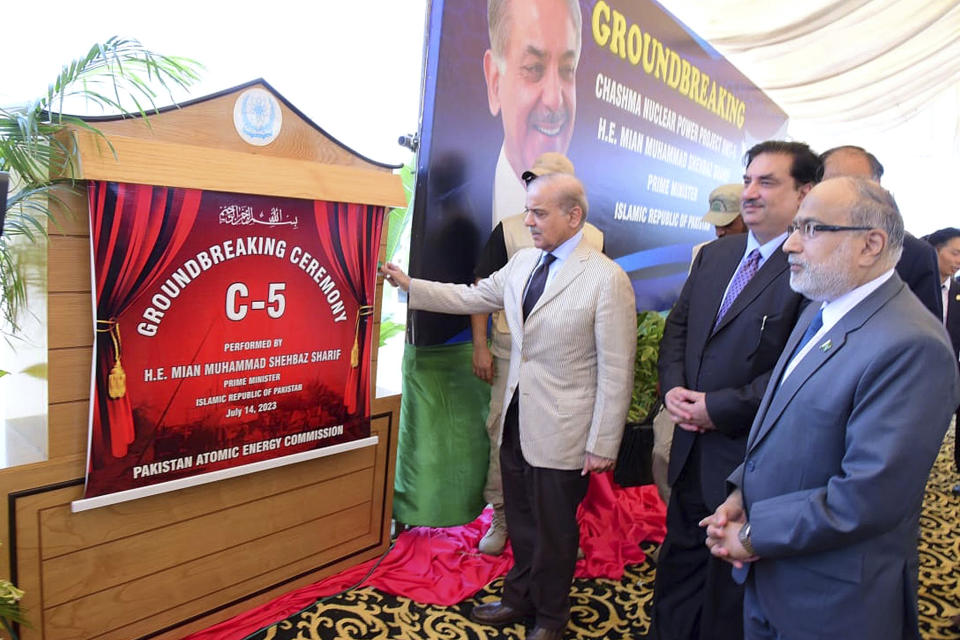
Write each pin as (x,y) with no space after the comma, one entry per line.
(940,549)
(612,610)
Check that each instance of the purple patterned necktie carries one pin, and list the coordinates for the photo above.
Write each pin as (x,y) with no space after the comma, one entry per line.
(748,269)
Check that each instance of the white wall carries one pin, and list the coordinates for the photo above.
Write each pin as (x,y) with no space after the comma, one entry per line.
(352,67)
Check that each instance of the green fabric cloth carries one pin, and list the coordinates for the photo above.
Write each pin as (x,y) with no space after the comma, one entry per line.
(443,448)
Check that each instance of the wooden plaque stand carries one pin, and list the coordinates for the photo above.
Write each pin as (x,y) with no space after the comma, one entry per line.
(164,566)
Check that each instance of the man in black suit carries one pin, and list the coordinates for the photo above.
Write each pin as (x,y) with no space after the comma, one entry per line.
(918,264)
(721,340)
(946,242)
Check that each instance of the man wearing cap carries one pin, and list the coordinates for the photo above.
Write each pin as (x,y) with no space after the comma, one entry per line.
(572,318)
(491,363)
(724,213)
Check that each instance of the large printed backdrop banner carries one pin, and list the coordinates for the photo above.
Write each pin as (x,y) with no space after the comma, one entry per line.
(652,117)
(231,329)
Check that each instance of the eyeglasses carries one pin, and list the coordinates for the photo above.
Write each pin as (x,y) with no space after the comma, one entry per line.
(810,229)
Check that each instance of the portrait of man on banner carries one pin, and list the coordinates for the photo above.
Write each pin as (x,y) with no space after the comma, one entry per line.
(608,85)
(530,71)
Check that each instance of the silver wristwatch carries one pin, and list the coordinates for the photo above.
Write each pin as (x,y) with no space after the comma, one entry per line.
(744,537)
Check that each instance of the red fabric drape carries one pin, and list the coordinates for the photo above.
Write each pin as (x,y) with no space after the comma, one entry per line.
(353,241)
(443,567)
(136,231)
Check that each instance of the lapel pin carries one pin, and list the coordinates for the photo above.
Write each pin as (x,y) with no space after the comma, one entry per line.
(957,298)
(826,346)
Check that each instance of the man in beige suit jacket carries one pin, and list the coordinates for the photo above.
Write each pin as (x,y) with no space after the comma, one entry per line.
(567,391)
(492,364)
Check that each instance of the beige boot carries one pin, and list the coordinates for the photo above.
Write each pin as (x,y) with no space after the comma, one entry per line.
(495,538)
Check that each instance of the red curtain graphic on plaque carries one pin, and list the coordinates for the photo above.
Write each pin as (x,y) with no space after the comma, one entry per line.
(231,329)
(353,229)
(137,230)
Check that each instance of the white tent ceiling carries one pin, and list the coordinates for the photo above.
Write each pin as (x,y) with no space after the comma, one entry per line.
(884,74)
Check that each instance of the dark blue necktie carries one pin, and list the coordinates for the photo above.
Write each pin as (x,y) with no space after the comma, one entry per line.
(537,282)
(811,331)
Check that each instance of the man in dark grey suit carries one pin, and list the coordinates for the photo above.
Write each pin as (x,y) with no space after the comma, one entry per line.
(720,342)
(824,520)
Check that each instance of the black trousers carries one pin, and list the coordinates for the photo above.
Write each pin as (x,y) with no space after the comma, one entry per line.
(541,509)
(695,596)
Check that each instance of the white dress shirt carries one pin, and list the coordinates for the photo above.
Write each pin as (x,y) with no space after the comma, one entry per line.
(944,295)
(509,193)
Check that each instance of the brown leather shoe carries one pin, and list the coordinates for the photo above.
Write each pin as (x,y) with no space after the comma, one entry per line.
(542,633)
(496,613)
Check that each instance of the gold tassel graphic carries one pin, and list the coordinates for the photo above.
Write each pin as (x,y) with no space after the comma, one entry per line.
(117,379)
(364,310)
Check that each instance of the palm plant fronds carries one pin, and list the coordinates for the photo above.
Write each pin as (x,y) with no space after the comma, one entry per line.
(118,70)
(30,209)
(119,75)
(13,287)
(28,147)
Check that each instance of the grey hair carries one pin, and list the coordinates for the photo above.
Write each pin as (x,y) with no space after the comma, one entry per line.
(875,207)
(499,22)
(570,192)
